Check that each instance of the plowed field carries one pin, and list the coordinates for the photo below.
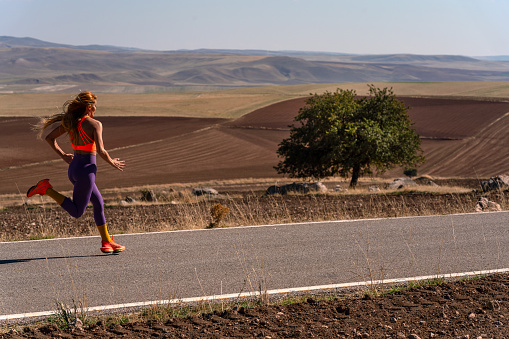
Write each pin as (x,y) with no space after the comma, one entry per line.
(460,138)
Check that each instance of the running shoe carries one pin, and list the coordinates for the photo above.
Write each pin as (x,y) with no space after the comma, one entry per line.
(41,188)
(111,247)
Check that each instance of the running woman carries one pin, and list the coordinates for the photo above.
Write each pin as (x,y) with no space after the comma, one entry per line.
(77,120)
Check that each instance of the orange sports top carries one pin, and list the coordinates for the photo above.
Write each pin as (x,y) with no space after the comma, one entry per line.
(89,143)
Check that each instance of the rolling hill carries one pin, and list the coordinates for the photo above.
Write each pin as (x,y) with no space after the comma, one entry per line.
(27,64)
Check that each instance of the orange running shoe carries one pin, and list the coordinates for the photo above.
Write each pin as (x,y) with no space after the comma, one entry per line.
(41,188)
(111,247)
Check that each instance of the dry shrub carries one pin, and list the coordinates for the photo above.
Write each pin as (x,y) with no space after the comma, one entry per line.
(218,212)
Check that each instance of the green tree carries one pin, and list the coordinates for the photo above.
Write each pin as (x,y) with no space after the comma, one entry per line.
(341,134)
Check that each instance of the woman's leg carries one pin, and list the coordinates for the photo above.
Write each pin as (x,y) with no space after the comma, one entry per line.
(59,198)
(97,202)
(98,205)
(108,245)
(81,173)
(83,180)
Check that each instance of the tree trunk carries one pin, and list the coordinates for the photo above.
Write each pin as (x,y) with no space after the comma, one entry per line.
(355,176)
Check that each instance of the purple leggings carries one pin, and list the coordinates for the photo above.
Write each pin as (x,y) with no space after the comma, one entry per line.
(82,171)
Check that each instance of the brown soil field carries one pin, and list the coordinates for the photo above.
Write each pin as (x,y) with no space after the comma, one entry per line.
(460,138)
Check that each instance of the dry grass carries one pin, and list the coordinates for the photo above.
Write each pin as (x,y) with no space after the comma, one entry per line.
(231,103)
(177,209)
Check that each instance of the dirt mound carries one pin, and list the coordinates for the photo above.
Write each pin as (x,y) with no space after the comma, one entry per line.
(476,308)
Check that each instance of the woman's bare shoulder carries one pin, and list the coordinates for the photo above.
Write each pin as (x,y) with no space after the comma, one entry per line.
(93,122)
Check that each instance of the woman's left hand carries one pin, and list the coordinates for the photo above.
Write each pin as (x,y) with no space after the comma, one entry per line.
(118,164)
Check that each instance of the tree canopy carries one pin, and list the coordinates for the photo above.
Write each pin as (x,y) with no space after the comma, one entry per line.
(342,134)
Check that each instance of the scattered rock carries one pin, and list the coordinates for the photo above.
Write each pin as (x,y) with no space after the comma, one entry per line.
(426,181)
(297,187)
(374,189)
(484,205)
(204,191)
(493,305)
(318,187)
(499,182)
(77,323)
(273,190)
(400,183)
(148,195)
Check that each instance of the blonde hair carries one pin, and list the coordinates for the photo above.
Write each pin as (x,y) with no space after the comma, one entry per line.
(72,112)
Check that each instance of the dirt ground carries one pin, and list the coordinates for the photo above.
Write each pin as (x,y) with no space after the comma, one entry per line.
(474,308)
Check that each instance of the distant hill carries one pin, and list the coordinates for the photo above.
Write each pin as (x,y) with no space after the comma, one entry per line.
(7,42)
(495,58)
(28,64)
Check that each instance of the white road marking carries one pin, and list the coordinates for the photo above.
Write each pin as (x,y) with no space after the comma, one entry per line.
(255,294)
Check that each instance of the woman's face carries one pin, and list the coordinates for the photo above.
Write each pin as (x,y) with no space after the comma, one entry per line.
(91,109)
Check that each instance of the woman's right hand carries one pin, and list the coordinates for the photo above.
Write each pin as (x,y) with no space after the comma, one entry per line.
(67,157)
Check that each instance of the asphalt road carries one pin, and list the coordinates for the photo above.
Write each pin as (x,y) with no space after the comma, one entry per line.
(183,264)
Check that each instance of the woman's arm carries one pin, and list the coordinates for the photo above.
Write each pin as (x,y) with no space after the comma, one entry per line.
(51,139)
(98,137)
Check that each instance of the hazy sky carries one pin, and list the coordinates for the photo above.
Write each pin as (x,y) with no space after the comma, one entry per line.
(465,27)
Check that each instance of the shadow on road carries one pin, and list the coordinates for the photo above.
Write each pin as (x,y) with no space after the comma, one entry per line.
(15,261)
